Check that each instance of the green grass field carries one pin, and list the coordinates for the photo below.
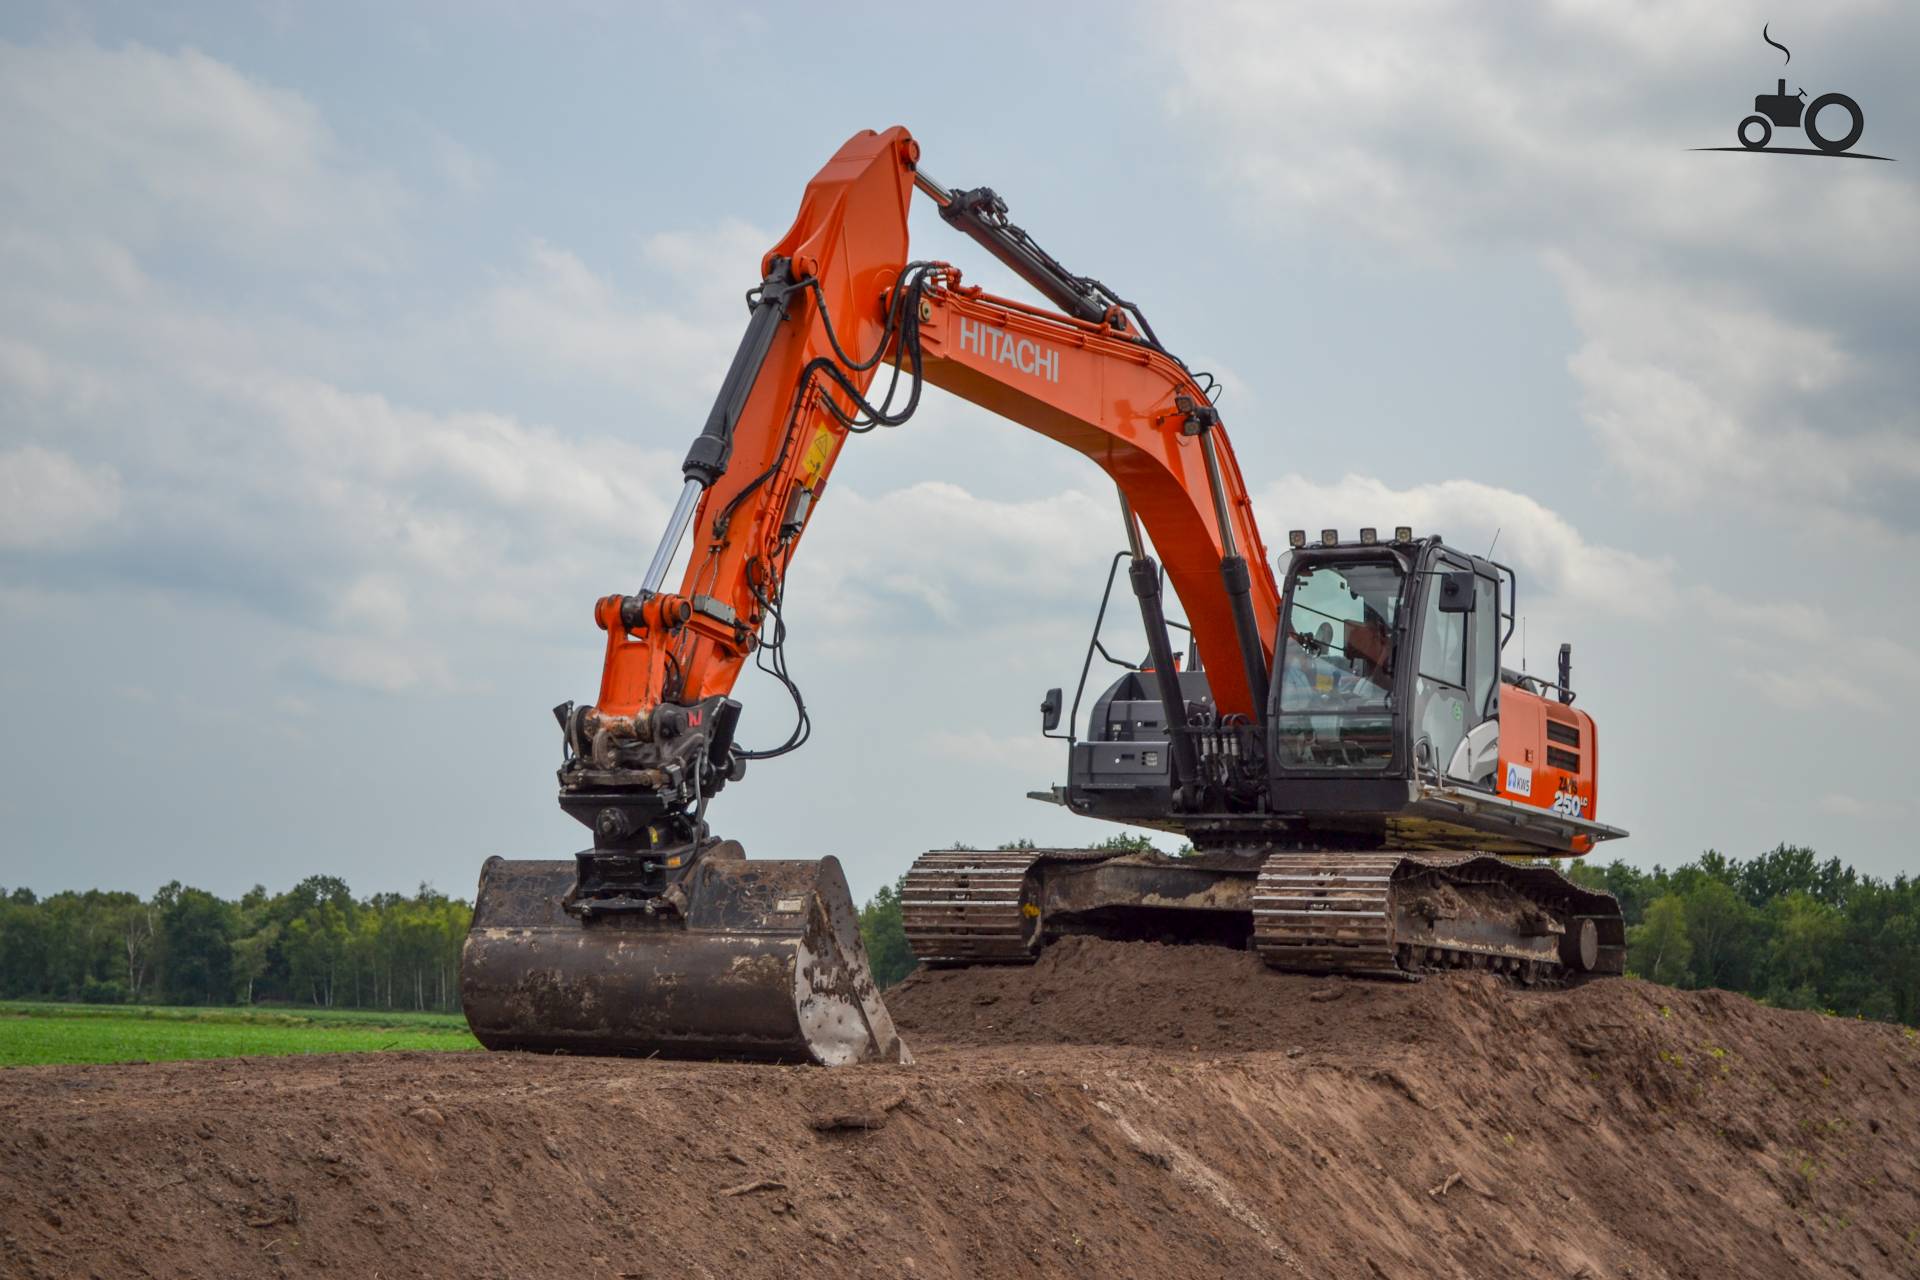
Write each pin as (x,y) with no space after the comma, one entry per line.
(35,1033)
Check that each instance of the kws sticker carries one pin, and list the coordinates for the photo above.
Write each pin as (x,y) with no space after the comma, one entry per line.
(1519,779)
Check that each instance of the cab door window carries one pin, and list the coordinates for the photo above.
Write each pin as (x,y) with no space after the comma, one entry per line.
(1476,755)
(1443,640)
(1335,673)
(1486,644)
(1440,706)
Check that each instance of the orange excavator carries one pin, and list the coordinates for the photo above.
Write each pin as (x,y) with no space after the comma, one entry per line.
(1366,788)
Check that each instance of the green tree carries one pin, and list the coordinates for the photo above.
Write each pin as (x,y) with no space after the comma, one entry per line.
(1719,929)
(1126,842)
(139,932)
(1632,887)
(250,954)
(84,949)
(23,945)
(1804,937)
(1658,947)
(884,935)
(1787,869)
(196,933)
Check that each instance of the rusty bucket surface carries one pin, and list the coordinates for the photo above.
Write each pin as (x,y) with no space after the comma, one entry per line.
(765,965)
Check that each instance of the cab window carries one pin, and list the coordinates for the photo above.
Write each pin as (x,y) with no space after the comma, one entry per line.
(1339,637)
(1486,643)
(1443,640)
(1336,669)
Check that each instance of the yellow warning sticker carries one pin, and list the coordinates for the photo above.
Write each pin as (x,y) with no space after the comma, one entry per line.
(814,461)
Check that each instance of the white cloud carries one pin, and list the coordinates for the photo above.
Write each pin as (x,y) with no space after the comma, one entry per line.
(342,437)
(1843,805)
(143,146)
(464,169)
(377,666)
(376,601)
(49,500)
(25,367)
(401,518)
(1554,560)
(1699,393)
(558,313)
(951,556)
(246,463)
(706,260)
(1804,659)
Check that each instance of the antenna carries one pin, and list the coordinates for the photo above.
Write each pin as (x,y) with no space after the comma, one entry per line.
(1493,544)
(1523,644)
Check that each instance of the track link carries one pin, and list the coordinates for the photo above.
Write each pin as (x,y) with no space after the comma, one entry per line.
(1399,916)
(965,906)
(979,906)
(1327,913)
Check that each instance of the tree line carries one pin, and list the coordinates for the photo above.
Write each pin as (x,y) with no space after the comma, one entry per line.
(1786,927)
(314,944)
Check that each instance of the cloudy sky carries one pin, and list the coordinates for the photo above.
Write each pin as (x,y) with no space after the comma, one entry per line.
(348,353)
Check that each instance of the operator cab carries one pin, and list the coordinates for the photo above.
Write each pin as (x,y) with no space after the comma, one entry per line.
(1389,657)
(1383,723)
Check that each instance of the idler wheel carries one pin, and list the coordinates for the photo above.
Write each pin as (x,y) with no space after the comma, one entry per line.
(1580,945)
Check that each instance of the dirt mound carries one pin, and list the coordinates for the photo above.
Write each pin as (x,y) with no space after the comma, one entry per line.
(1338,1129)
(1090,991)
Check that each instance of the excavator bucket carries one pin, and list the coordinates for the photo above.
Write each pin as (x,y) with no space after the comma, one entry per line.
(764,963)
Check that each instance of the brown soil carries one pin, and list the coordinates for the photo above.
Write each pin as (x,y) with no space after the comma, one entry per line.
(1117,1110)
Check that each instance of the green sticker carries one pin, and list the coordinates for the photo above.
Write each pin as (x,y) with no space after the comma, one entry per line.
(1456,711)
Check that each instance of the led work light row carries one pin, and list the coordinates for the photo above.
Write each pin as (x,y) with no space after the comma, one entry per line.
(1331,537)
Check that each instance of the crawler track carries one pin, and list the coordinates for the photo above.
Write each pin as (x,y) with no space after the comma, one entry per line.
(1327,913)
(975,906)
(964,907)
(1399,915)
(1378,915)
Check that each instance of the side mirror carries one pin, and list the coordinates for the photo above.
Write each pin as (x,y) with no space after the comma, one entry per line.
(1050,711)
(1456,591)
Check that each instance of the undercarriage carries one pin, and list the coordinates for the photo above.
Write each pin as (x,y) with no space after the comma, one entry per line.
(1374,914)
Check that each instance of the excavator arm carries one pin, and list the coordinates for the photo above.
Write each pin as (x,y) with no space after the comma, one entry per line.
(838,303)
